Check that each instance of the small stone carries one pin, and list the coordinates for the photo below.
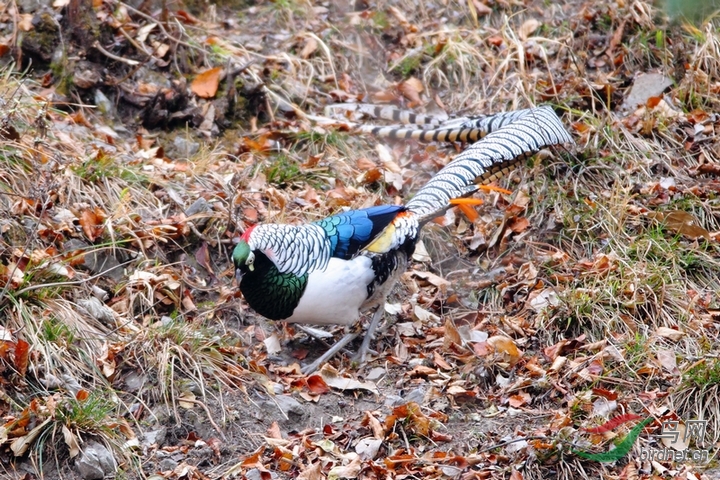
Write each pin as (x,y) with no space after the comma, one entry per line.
(291,411)
(645,86)
(289,405)
(375,374)
(99,293)
(254,474)
(185,147)
(167,464)
(199,206)
(98,310)
(100,262)
(86,78)
(393,400)
(104,264)
(95,461)
(105,106)
(70,383)
(416,396)
(134,381)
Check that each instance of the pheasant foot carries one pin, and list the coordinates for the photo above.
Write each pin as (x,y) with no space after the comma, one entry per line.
(361,353)
(308,369)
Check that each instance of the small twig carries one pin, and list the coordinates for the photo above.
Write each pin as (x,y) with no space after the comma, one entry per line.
(14,15)
(137,45)
(111,56)
(207,412)
(16,195)
(200,235)
(503,444)
(130,91)
(78,282)
(407,443)
(160,25)
(238,70)
(26,247)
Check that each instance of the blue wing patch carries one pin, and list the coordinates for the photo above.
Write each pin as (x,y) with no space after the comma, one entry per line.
(351,231)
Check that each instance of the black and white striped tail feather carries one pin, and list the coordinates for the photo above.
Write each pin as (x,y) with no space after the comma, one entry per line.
(410,119)
(513,137)
(425,135)
(464,129)
(388,112)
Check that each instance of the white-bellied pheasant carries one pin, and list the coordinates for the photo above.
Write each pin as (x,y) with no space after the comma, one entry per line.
(329,271)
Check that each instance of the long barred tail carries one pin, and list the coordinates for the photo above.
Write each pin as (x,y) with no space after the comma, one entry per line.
(389,112)
(464,129)
(511,137)
(427,128)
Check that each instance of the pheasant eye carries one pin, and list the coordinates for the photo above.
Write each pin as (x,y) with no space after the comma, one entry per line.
(250,260)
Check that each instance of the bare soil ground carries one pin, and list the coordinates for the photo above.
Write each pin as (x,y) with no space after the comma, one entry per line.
(137,141)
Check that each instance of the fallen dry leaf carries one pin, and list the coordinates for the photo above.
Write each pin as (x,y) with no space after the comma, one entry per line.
(20,445)
(92,222)
(186,400)
(520,399)
(527,28)
(451,335)
(205,84)
(25,22)
(432,279)
(350,470)
(333,379)
(317,385)
(21,357)
(71,441)
(312,472)
(670,333)
(668,361)
(374,424)
(684,223)
(674,435)
(253,460)
(506,347)
(440,361)
(518,224)
(413,418)
(411,89)
(273,430)
(309,47)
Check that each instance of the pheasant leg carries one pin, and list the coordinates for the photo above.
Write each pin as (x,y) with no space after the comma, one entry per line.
(365,347)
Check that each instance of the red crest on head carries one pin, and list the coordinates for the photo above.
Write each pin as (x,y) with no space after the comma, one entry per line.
(246,234)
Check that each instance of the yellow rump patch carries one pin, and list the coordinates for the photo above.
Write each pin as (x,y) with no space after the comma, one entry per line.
(383,242)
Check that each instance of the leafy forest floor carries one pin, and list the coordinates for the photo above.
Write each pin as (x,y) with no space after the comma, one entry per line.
(530,339)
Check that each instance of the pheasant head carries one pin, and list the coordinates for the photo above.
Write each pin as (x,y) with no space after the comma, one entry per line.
(268,290)
(244,259)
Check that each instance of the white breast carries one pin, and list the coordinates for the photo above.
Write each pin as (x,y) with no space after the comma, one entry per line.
(334,296)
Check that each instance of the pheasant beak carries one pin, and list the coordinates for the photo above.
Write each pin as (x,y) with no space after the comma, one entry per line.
(238,275)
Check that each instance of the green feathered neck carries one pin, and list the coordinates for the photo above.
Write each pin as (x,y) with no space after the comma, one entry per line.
(272,294)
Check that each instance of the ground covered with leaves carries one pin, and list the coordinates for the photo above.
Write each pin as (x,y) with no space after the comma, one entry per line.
(553,332)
